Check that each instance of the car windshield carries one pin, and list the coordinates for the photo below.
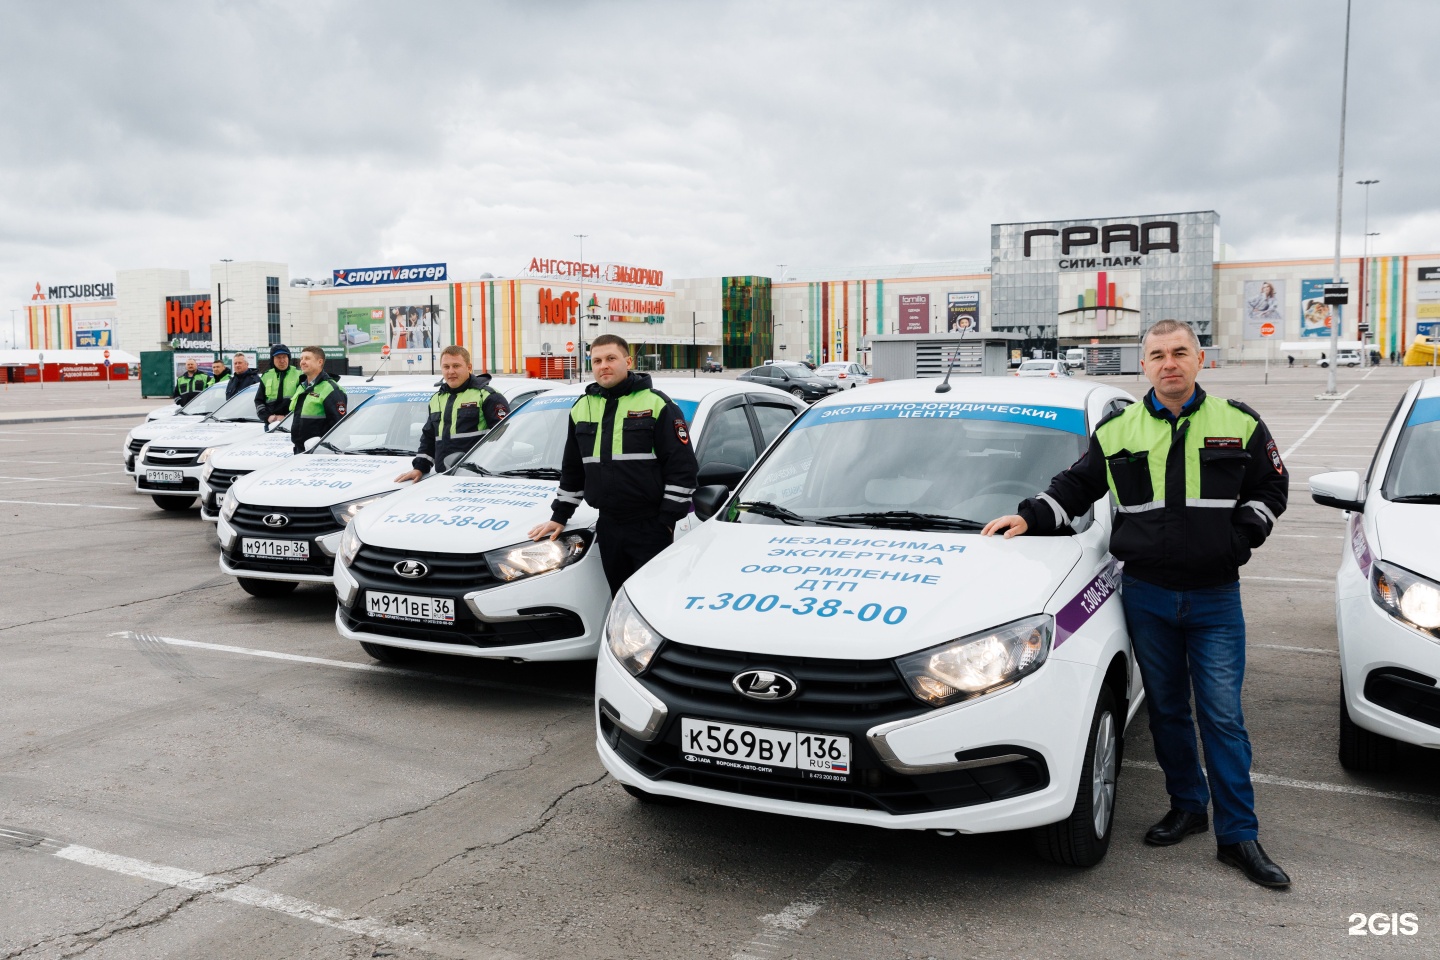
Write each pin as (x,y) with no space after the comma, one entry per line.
(1414,473)
(1037,365)
(208,402)
(239,408)
(950,465)
(385,426)
(528,443)
(833,368)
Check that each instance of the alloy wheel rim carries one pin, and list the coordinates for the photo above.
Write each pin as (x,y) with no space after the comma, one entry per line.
(1102,774)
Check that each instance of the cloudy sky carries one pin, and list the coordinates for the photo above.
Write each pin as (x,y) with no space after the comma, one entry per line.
(700,138)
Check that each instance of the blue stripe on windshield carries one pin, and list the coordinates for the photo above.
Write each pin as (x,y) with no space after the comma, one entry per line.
(1426,410)
(1058,418)
(545,402)
(688,407)
(387,396)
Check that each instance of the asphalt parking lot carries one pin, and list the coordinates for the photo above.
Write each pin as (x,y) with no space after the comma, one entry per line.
(187,771)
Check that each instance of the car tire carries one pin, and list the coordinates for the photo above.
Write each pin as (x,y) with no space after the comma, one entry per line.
(1082,839)
(266,588)
(651,798)
(798,394)
(173,504)
(1361,750)
(384,654)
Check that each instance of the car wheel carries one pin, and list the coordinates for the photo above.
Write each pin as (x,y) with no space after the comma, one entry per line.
(798,394)
(652,798)
(175,504)
(1081,839)
(266,588)
(1361,750)
(388,654)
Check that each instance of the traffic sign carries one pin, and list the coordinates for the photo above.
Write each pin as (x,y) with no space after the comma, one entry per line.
(107,354)
(1267,329)
(385,350)
(570,346)
(545,349)
(1337,294)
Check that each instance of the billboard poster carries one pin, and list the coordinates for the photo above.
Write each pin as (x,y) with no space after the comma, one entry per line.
(962,312)
(402,328)
(1106,301)
(1264,303)
(374,276)
(914,313)
(1315,315)
(94,334)
(187,322)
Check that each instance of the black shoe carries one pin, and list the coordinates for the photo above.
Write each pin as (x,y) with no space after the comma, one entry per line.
(1176,826)
(1250,857)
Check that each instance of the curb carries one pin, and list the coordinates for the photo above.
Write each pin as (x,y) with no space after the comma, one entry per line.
(62,419)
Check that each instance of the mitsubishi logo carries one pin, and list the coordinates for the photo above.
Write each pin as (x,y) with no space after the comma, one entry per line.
(275,520)
(764,685)
(411,569)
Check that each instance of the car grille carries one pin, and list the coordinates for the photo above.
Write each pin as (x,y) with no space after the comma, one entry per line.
(871,785)
(304,522)
(451,574)
(220,481)
(1405,692)
(182,458)
(135,446)
(869,691)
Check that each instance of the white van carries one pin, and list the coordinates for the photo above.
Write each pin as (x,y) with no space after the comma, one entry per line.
(1075,358)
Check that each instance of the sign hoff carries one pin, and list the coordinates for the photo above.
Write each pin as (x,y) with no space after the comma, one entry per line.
(561,309)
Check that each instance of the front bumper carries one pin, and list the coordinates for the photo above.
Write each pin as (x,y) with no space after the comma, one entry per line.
(319,569)
(189,485)
(553,616)
(1045,717)
(1371,641)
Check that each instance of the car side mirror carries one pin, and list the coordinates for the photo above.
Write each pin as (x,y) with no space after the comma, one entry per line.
(726,475)
(1340,490)
(452,458)
(709,500)
(311,444)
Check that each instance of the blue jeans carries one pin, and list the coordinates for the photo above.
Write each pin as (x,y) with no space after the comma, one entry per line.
(1185,638)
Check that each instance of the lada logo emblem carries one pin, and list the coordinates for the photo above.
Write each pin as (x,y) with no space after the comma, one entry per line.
(411,569)
(764,685)
(275,520)
(170,453)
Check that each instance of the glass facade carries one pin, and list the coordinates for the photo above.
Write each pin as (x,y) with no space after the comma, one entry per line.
(747,322)
(272,309)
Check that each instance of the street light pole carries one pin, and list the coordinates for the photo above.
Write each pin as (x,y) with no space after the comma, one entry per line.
(1365,258)
(220,311)
(1330,386)
(694,347)
(580,317)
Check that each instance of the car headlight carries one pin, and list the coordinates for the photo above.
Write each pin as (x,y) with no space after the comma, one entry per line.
(531,558)
(205,454)
(631,640)
(230,504)
(1408,597)
(349,546)
(206,470)
(345,512)
(144,452)
(978,663)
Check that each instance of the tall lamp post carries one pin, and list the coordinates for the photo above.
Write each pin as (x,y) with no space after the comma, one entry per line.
(1365,256)
(1330,387)
(580,311)
(694,346)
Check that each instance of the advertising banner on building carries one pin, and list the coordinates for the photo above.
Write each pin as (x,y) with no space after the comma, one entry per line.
(94,333)
(1426,274)
(1264,304)
(1316,315)
(374,276)
(962,312)
(1106,301)
(187,322)
(407,328)
(914,313)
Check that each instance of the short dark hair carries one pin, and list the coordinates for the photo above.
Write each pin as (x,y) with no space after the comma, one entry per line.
(1164,327)
(455,350)
(315,352)
(605,339)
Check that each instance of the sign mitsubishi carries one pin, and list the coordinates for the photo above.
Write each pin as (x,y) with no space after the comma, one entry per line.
(377,276)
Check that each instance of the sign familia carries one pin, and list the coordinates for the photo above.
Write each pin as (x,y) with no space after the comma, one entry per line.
(599,272)
(1139,238)
(375,276)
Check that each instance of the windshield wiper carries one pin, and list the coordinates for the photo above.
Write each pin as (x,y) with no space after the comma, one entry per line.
(473,468)
(533,473)
(384,452)
(904,519)
(765,508)
(1417,498)
(327,443)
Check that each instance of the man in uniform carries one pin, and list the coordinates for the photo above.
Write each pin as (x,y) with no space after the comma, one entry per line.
(319,403)
(243,376)
(627,453)
(218,373)
(1198,485)
(191,383)
(462,409)
(277,386)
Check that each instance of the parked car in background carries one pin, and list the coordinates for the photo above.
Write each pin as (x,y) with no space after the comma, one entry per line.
(793,378)
(847,374)
(1043,368)
(1075,358)
(160,421)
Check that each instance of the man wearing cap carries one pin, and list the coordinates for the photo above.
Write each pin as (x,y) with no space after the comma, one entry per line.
(277,386)
(462,409)
(318,403)
(191,383)
(244,376)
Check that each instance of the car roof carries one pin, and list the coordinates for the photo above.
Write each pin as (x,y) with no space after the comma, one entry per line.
(972,389)
(1429,387)
(688,388)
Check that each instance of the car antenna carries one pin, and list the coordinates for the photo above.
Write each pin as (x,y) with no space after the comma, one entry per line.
(944,386)
(383,360)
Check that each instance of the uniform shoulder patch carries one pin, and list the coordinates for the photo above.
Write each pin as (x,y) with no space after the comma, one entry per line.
(1274,456)
(501,410)
(681,432)
(340,408)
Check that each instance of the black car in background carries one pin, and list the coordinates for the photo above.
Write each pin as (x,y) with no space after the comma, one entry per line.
(794,378)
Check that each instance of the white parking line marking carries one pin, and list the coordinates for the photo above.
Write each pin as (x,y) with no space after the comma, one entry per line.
(107,483)
(1309,536)
(1314,426)
(782,926)
(47,503)
(1281,646)
(348,665)
(1321,787)
(1289,579)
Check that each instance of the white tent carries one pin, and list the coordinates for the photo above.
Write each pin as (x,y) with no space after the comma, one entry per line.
(25,358)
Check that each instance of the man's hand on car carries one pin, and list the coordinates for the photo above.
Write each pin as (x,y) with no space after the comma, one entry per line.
(1013,525)
(548,530)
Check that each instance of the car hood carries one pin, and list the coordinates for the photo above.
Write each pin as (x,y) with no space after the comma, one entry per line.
(1406,534)
(462,514)
(255,454)
(320,481)
(947,585)
(151,429)
(205,434)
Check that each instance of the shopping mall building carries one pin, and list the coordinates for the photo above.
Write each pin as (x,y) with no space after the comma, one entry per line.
(1049,285)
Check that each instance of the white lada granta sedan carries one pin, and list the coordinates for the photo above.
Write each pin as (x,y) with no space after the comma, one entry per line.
(837,641)
(1387,590)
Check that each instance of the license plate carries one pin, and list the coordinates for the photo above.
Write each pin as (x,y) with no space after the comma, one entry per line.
(762,750)
(274,549)
(403,606)
(163,476)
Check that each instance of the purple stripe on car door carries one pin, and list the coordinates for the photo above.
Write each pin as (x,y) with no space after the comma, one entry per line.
(1083,605)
